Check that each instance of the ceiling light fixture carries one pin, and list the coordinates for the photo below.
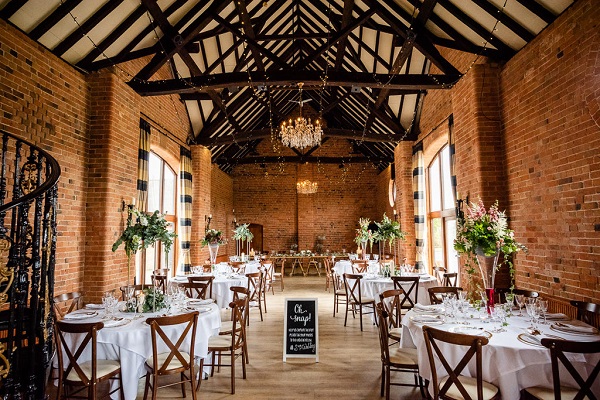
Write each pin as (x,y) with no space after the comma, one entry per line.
(307,187)
(300,133)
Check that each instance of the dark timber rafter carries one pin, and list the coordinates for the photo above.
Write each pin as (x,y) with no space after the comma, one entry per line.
(284,78)
(303,159)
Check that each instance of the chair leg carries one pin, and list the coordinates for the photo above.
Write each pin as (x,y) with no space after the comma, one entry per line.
(387,384)
(146,386)
(360,315)
(182,377)
(382,379)
(232,371)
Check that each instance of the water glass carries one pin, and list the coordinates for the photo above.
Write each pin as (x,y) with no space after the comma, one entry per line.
(534,313)
(543,306)
(520,299)
(376,257)
(499,318)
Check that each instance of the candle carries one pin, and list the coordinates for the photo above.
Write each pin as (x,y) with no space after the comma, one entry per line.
(133,199)
(394,211)
(209,216)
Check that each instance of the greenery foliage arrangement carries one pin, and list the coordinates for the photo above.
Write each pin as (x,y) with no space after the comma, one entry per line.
(363,233)
(242,232)
(154,299)
(388,231)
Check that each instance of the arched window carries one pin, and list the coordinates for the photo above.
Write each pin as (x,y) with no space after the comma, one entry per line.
(162,195)
(441,212)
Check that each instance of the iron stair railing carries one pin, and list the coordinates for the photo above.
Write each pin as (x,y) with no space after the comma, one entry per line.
(29,180)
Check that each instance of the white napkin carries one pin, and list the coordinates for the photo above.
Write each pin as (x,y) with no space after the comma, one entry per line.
(427,318)
(80,314)
(576,327)
(556,316)
(116,322)
(533,338)
(427,308)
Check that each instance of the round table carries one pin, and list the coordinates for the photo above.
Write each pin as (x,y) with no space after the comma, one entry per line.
(509,363)
(221,284)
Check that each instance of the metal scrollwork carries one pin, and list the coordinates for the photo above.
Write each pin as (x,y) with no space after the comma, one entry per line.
(4,364)
(29,179)
(6,274)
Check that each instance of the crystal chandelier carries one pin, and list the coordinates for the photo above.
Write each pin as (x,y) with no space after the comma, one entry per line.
(301,133)
(307,187)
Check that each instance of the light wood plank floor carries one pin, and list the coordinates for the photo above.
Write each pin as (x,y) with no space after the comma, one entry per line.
(349,362)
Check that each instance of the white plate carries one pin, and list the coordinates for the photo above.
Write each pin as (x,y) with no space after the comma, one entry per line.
(470,330)
(80,314)
(200,302)
(94,306)
(201,309)
(427,319)
(563,328)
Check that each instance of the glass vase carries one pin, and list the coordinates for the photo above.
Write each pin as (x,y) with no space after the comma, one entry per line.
(487,267)
(363,245)
(213,249)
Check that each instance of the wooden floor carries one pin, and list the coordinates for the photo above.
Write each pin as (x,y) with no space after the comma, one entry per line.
(349,365)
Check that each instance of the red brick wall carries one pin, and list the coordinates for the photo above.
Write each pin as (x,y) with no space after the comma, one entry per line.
(222,207)
(201,189)
(268,196)
(44,101)
(524,136)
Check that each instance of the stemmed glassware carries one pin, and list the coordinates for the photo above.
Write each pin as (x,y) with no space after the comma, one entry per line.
(520,299)
(499,317)
(533,311)
(543,306)
(109,301)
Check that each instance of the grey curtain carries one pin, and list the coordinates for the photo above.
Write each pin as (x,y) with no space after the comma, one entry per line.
(143,158)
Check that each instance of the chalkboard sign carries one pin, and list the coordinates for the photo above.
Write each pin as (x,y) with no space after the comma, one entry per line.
(301,329)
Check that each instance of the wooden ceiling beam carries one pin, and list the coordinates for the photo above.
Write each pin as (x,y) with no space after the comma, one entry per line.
(538,10)
(55,16)
(351,134)
(11,8)
(505,20)
(285,78)
(341,48)
(303,160)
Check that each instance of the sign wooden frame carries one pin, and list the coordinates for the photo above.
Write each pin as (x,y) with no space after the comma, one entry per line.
(301,328)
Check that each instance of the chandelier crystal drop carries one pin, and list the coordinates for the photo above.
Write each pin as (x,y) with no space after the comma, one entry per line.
(307,187)
(300,133)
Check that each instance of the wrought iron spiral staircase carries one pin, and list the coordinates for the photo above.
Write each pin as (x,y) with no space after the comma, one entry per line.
(28,203)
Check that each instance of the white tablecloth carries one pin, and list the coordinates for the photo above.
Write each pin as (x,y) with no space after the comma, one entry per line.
(508,363)
(373,287)
(221,293)
(132,344)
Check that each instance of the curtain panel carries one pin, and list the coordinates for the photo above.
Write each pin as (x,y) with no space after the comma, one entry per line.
(143,160)
(419,205)
(185,209)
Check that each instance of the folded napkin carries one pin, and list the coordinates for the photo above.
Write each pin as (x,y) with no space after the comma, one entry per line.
(574,326)
(424,319)
(533,338)
(118,321)
(200,302)
(80,314)
(556,316)
(428,308)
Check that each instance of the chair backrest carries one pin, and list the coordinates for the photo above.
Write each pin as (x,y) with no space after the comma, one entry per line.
(237,267)
(558,348)
(255,285)
(438,271)
(352,284)
(269,269)
(450,278)
(238,321)
(136,290)
(73,301)
(587,312)
(196,290)
(384,346)
(439,290)
(206,268)
(501,293)
(159,279)
(410,289)
(474,343)
(205,289)
(160,340)
(72,362)
(359,266)
(391,303)
(241,293)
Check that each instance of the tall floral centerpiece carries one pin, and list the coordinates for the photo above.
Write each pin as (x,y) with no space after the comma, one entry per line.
(364,236)
(142,231)
(213,238)
(242,234)
(389,231)
(482,235)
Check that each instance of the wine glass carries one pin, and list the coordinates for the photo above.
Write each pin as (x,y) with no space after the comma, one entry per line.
(543,306)
(534,313)
(520,299)
(499,317)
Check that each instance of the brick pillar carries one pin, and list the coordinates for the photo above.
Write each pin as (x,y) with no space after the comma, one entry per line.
(404,199)
(112,179)
(480,154)
(201,206)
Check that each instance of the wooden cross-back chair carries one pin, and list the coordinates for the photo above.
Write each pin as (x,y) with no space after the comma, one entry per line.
(71,301)
(390,299)
(450,279)
(436,293)
(558,348)
(174,360)
(394,358)
(239,293)
(587,312)
(354,300)
(255,290)
(231,343)
(159,279)
(278,276)
(76,375)
(455,385)
(410,287)
(204,288)
(339,292)
(328,273)
(268,273)
(136,289)
(359,266)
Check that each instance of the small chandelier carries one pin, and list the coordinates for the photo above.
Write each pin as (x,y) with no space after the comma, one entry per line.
(307,187)
(301,133)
